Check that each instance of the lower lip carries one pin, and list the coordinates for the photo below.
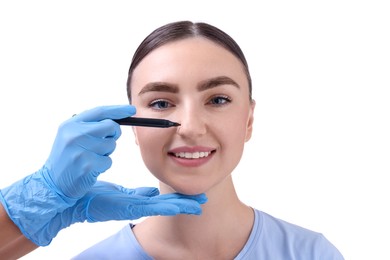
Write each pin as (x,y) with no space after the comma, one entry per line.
(191,162)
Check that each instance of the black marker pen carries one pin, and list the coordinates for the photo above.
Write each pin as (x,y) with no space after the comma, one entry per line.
(149,122)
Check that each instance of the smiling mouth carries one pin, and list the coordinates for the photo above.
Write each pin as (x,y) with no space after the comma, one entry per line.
(192,155)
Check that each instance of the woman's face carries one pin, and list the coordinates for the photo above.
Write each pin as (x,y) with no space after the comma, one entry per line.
(202,86)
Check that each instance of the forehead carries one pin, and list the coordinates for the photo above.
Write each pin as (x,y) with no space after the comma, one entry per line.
(194,58)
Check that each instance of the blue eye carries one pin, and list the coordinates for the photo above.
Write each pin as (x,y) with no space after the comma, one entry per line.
(220,100)
(160,104)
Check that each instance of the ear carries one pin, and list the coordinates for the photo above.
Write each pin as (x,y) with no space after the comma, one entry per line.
(249,126)
(135,135)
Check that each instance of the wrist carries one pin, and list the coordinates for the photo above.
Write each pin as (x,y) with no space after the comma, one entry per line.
(31,203)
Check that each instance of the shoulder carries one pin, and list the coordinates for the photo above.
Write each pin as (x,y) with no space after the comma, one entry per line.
(273,226)
(280,239)
(121,245)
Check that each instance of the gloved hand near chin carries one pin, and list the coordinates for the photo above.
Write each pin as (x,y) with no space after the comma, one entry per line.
(107,201)
(79,154)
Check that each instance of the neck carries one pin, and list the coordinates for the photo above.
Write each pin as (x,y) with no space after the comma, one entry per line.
(225,223)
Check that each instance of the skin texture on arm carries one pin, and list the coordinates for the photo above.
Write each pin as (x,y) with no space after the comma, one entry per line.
(13,244)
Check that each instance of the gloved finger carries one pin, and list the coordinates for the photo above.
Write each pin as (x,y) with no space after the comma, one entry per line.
(103,187)
(106,112)
(100,146)
(88,169)
(102,129)
(200,198)
(119,209)
(161,209)
(104,207)
(143,191)
(186,206)
(92,163)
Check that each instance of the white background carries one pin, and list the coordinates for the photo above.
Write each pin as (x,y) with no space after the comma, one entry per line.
(320,151)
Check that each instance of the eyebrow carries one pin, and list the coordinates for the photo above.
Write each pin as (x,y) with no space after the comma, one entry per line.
(159,87)
(215,82)
(202,86)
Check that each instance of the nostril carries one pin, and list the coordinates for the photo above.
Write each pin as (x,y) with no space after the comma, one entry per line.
(191,126)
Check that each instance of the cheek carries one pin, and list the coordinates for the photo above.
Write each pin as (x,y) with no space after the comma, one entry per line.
(151,143)
(233,127)
(146,139)
(232,133)
(234,130)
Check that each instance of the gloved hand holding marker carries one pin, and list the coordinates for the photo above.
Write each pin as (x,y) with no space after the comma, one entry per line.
(65,190)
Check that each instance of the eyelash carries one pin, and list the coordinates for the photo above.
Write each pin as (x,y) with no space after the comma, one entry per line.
(161,104)
(156,104)
(225,99)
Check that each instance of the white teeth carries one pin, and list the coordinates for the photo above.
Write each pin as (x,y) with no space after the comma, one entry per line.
(194,155)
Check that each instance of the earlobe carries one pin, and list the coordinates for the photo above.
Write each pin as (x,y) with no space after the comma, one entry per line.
(249,127)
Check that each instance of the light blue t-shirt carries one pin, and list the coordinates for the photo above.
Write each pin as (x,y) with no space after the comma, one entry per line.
(270,239)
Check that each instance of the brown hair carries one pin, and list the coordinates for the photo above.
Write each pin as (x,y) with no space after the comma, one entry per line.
(181,30)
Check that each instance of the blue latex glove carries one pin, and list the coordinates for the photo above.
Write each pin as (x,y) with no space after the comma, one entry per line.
(81,149)
(107,201)
(79,154)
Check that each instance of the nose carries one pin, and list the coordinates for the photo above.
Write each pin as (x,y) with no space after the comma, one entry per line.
(192,124)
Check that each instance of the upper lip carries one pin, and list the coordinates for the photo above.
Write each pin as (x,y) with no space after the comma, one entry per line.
(191,149)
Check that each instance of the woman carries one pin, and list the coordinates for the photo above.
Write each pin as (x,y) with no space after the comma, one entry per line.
(196,75)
